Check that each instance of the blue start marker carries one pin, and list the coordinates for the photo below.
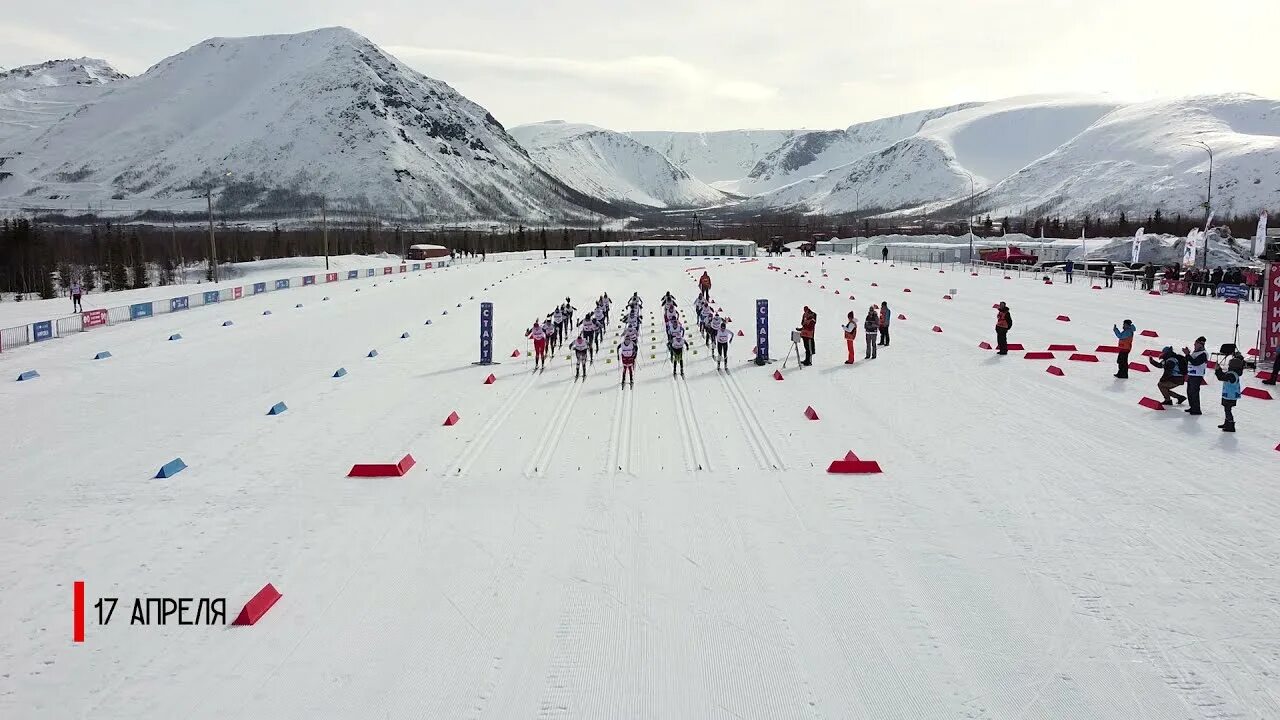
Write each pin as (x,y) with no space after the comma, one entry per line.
(102,355)
(373,353)
(227,323)
(28,375)
(340,372)
(277,409)
(404,335)
(266,312)
(171,468)
(176,336)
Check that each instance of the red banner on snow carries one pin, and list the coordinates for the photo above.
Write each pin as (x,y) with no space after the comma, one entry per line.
(93,318)
(237,293)
(404,268)
(331,277)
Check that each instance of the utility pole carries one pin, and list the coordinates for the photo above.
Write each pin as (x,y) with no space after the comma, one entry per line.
(213,244)
(1208,198)
(324,232)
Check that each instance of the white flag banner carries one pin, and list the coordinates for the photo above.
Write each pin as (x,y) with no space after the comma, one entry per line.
(1208,222)
(1260,239)
(1189,248)
(1137,244)
(1084,246)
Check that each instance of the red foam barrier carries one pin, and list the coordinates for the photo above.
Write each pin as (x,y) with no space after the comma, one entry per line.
(942,272)
(937,329)
(257,606)
(1147,402)
(1063,348)
(854,467)
(1097,287)
(1258,393)
(777,374)
(1006,277)
(1150,352)
(1047,281)
(515,353)
(1253,352)
(946,297)
(1263,375)
(984,345)
(1139,367)
(901,316)
(810,413)
(1037,355)
(740,333)
(383,469)
(1149,333)
(490,380)
(1107,349)
(906,289)
(972,274)
(1080,357)
(1016,346)
(822,287)
(1153,292)
(874,285)
(452,419)
(1064,318)
(1054,370)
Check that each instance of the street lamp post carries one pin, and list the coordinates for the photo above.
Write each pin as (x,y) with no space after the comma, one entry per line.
(213,243)
(857,197)
(1208,195)
(971,194)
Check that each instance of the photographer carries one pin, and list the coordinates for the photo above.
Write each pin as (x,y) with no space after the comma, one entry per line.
(808,324)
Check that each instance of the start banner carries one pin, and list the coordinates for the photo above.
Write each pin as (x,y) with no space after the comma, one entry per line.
(93,318)
(1271,312)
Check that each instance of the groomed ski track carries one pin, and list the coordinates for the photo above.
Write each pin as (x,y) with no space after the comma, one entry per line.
(1037,547)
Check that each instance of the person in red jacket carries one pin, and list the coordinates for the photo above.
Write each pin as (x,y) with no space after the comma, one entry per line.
(850,334)
(1004,322)
(704,285)
(808,325)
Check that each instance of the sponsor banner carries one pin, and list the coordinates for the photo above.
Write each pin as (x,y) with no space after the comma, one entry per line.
(93,318)
(353,274)
(139,310)
(259,288)
(1271,311)
(1175,287)
(370,272)
(282,284)
(237,292)
(1233,291)
(404,268)
(212,297)
(331,277)
(308,279)
(486,333)
(179,303)
(42,330)
(762,329)
(386,270)
(417,266)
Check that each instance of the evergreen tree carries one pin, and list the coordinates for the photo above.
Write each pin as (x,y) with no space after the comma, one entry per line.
(140,279)
(167,270)
(45,282)
(66,276)
(119,274)
(89,278)
(986,226)
(1123,225)
(1156,220)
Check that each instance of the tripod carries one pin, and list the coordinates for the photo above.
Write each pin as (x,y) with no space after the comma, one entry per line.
(795,349)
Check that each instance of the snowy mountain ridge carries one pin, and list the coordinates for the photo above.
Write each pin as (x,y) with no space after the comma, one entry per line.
(612,166)
(33,97)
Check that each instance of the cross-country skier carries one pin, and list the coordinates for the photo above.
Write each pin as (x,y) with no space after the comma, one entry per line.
(704,285)
(568,312)
(627,352)
(1230,379)
(1197,362)
(677,352)
(539,337)
(589,332)
(557,320)
(724,336)
(581,348)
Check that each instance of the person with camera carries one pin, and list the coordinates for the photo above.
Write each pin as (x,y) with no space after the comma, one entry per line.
(870,328)
(808,325)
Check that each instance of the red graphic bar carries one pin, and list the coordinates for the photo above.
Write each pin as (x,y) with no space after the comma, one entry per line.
(78,635)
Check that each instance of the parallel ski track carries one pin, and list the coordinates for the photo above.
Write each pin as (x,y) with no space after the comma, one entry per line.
(481,442)
(620,438)
(546,448)
(695,447)
(766,456)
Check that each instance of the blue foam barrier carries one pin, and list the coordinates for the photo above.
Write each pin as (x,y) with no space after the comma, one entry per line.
(298,305)
(373,353)
(176,336)
(266,312)
(227,323)
(427,322)
(171,468)
(277,409)
(102,355)
(28,375)
(324,299)
(446,312)
(404,335)
(340,372)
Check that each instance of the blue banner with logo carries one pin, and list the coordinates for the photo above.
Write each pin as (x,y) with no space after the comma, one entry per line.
(282,284)
(212,297)
(308,279)
(1233,291)
(762,330)
(353,274)
(139,310)
(486,333)
(417,266)
(179,303)
(370,272)
(42,330)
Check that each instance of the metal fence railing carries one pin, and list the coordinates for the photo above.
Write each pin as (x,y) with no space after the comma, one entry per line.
(18,336)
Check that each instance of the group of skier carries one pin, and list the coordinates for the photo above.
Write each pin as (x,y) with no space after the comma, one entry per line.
(557,327)
(714,328)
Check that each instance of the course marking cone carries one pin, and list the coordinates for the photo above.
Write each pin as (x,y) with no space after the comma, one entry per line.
(452,419)
(1153,404)
(777,374)
(398,469)
(810,413)
(490,380)
(257,606)
(1054,370)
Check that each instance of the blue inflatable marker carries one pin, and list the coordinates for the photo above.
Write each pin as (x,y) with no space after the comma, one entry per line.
(325,299)
(473,297)
(404,335)
(427,322)
(340,372)
(176,336)
(102,355)
(357,289)
(277,409)
(373,353)
(446,312)
(28,375)
(459,304)
(171,468)
(266,312)
(227,323)
(298,305)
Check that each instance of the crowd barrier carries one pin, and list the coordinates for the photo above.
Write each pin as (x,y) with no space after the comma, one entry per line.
(17,336)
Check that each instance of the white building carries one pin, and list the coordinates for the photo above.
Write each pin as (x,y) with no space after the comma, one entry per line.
(668,248)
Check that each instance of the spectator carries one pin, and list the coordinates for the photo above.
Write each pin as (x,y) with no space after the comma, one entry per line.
(1124,341)
(808,324)
(1070,270)
(1230,380)
(884,324)
(1004,323)
(1171,376)
(1109,272)
(1196,362)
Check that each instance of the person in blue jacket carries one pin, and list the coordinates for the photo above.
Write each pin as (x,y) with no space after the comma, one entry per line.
(1070,270)
(1124,341)
(1230,380)
(1172,375)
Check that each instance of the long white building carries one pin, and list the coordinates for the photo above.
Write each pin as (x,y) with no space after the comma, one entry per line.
(668,248)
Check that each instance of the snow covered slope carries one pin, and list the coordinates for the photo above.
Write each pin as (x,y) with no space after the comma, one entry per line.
(291,118)
(33,97)
(1137,159)
(988,141)
(1036,546)
(612,166)
(715,157)
(816,152)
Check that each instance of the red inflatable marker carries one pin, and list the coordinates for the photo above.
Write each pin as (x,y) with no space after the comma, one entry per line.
(257,606)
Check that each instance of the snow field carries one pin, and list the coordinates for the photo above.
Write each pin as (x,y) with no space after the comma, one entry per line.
(1037,546)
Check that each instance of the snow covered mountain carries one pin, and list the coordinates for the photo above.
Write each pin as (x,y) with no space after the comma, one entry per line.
(281,121)
(716,158)
(33,97)
(612,166)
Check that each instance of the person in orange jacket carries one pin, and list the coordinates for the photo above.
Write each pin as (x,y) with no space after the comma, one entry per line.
(1004,322)
(704,285)
(808,324)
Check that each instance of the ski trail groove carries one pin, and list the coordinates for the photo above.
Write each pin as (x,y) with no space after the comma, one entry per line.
(697,444)
(686,441)
(477,446)
(625,434)
(766,445)
(735,405)
(551,439)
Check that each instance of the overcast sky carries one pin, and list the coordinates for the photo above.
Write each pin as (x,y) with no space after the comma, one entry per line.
(716,64)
